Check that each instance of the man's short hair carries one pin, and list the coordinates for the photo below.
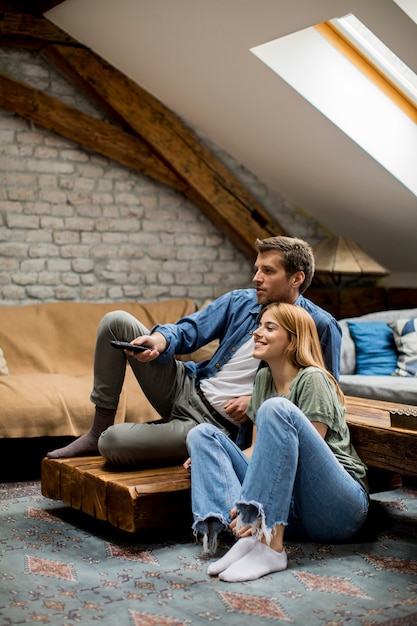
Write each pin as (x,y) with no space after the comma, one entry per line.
(297,255)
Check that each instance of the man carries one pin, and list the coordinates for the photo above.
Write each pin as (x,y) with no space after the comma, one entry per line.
(187,393)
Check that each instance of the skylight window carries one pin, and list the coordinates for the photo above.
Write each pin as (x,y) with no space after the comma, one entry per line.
(353,79)
(378,54)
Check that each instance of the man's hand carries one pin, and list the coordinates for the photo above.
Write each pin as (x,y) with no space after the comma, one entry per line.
(236,409)
(156,342)
(187,464)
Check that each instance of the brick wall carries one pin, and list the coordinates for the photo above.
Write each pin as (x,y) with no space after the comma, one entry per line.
(77,226)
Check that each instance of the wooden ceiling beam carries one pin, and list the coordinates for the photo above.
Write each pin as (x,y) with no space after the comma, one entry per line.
(95,134)
(25,30)
(31,7)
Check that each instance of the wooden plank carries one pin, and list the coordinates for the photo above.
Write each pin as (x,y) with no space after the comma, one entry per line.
(386,448)
(378,443)
(156,500)
(24,29)
(95,134)
(51,479)
(131,500)
(371,412)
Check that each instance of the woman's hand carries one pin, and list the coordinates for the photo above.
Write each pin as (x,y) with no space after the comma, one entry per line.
(187,464)
(246,531)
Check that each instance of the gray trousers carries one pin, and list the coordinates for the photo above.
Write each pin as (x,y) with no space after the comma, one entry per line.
(166,385)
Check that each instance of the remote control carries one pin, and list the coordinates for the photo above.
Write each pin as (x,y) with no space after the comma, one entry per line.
(125,345)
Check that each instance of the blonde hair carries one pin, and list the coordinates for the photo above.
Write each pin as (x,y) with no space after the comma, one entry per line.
(304,349)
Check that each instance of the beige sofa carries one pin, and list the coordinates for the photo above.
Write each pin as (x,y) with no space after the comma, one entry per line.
(46,368)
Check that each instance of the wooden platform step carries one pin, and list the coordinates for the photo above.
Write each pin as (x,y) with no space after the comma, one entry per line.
(379,444)
(129,500)
(160,498)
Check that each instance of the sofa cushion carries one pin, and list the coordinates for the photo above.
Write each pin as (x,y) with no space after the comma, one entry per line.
(385,388)
(405,333)
(375,348)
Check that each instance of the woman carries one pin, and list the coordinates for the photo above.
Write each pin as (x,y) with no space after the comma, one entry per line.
(301,474)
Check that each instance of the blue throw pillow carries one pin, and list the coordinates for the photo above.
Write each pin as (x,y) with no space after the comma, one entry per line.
(376,352)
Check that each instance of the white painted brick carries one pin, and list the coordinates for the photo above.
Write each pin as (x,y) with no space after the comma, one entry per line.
(27,136)
(95,292)
(13,293)
(102,198)
(79,223)
(70,280)
(115,293)
(32,265)
(57,167)
(59,265)
(9,264)
(10,163)
(40,292)
(22,193)
(52,223)
(74,155)
(82,266)
(39,236)
(166,278)
(73,251)
(43,152)
(107,225)
(89,210)
(11,207)
(21,179)
(87,279)
(63,292)
(66,237)
(51,278)
(18,220)
(6,135)
(53,196)
(43,251)
(127,198)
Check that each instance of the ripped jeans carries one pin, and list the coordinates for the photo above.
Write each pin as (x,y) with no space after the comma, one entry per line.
(293,478)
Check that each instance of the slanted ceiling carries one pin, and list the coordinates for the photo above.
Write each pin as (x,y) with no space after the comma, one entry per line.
(145,136)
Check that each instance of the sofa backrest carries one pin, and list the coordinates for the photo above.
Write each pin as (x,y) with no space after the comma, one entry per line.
(348,356)
(59,337)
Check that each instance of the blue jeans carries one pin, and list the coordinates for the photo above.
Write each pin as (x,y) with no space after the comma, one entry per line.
(293,478)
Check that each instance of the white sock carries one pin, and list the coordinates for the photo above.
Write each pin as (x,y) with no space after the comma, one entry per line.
(239,549)
(261,560)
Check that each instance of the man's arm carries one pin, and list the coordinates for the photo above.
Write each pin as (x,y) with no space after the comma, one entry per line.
(331,344)
(196,330)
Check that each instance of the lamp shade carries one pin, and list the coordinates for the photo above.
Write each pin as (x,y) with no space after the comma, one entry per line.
(339,255)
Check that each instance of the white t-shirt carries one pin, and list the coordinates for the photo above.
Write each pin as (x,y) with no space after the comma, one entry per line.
(235,379)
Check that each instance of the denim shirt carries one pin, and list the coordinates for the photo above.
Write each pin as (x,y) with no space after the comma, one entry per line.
(232,318)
